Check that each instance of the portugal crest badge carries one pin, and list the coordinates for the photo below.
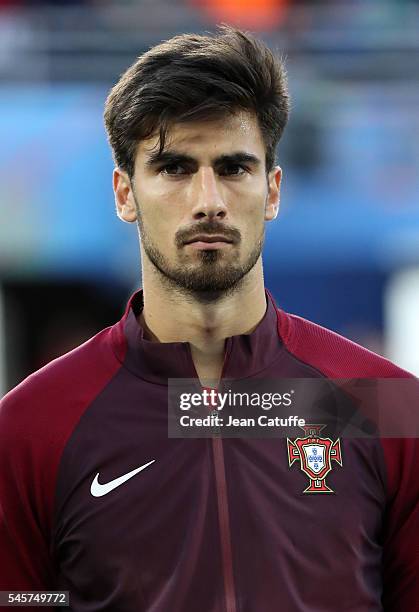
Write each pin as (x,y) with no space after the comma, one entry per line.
(315,455)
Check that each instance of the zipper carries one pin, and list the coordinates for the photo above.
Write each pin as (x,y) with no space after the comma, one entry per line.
(223,511)
(224,515)
(224,524)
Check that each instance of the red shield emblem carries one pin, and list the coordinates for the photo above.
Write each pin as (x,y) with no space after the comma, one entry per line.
(315,454)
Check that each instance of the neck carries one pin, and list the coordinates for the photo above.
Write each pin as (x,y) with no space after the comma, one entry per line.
(171,315)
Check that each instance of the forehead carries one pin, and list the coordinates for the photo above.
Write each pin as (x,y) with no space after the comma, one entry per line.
(238,132)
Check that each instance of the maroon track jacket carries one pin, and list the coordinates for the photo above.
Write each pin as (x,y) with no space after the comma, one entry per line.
(212,525)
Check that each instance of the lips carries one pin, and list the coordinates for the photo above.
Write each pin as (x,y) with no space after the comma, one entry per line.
(208,238)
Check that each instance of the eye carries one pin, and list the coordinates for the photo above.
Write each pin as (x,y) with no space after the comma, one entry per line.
(173,169)
(233,170)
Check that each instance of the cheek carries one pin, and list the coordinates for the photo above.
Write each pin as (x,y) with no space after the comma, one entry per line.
(159,224)
(255,215)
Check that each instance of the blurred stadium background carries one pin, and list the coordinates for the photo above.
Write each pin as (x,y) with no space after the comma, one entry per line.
(344,251)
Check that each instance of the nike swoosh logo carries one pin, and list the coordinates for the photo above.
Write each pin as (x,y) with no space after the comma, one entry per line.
(97,489)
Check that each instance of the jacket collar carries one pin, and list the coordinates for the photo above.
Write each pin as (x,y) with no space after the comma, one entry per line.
(246,355)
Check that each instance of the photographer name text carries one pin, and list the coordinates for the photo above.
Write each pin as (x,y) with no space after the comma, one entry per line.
(215,420)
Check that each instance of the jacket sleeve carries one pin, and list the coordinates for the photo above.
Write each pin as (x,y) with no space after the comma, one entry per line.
(401,544)
(37,419)
(24,503)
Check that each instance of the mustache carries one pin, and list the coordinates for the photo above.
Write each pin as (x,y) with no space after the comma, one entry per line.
(210,228)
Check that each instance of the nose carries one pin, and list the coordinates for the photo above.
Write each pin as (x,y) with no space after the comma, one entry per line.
(208,198)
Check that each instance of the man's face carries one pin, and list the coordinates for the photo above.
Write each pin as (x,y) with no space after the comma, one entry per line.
(201,205)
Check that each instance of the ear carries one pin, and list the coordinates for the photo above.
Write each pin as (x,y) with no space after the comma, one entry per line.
(272,201)
(124,197)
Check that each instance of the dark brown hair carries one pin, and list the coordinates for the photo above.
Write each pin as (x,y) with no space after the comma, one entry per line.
(197,77)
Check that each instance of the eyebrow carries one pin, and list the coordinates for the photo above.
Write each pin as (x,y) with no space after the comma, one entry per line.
(175,157)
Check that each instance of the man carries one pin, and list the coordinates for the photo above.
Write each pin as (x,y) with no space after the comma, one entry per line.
(95,498)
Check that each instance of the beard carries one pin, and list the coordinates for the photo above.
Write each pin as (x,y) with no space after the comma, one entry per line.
(211,274)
